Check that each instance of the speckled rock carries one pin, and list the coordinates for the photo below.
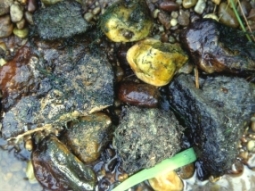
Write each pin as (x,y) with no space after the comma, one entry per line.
(61,20)
(6,27)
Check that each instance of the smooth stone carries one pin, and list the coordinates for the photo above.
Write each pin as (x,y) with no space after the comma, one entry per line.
(168,6)
(6,26)
(50,2)
(16,12)
(188,3)
(227,16)
(31,5)
(21,33)
(21,24)
(29,17)
(5,6)
(200,7)
(183,18)
(217,2)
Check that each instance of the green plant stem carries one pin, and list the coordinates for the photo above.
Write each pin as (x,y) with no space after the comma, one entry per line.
(239,19)
(181,159)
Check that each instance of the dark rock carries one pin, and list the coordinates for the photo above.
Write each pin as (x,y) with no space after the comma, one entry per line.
(145,137)
(138,94)
(169,6)
(218,48)
(61,20)
(215,114)
(71,82)
(56,168)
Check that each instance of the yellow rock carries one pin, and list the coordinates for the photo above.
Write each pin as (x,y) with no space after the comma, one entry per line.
(155,62)
(126,21)
(167,181)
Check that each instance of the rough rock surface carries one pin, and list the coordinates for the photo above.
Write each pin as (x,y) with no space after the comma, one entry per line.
(145,137)
(68,82)
(61,20)
(216,48)
(215,114)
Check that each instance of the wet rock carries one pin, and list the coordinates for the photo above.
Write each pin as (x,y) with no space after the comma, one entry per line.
(126,21)
(56,168)
(145,137)
(216,115)
(68,82)
(5,6)
(16,12)
(169,6)
(218,48)
(6,26)
(227,15)
(61,20)
(138,94)
(21,33)
(87,136)
(154,62)
(183,18)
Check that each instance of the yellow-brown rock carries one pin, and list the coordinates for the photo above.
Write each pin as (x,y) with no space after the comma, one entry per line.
(167,181)
(155,62)
(126,21)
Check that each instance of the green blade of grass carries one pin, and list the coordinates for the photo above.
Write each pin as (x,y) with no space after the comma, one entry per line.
(181,159)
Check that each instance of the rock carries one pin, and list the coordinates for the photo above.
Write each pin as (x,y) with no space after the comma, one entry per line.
(200,6)
(218,48)
(31,5)
(143,95)
(164,18)
(6,26)
(227,15)
(154,62)
(16,12)
(145,137)
(87,136)
(63,85)
(183,18)
(21,24)
(126,21)
(50,2)
(5,6)
(168,6)
(188,3)
(61,20)
(21,33)
(56,168)
(216,116)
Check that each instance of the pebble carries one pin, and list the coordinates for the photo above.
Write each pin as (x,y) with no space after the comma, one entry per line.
(168,6)
(251,146)
(211,16)
(50,2)
(227,16)
(88,16)
(246,7)
(96,11)
(6,27)
(200,6)
(5,6)
(183,18)
(188,3)
(217,2)
(253,126)
(164,19)
(173,22)
(21,33)
(29,18)
(16,12)
(21,24)
(31,5)
(155,13)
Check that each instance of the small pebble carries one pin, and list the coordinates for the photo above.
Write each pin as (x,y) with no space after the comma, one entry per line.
(88,16)
(173,22)
(29,18)
(96,11)
(174,14)
(217,2)
(21,24)
(155,13)
(251,146)
(5,6)
(21,33)
(211,16)
(31,5)
(168,6)
(6,27)
(183,18)
(16,12)
(200,7)
(188,3)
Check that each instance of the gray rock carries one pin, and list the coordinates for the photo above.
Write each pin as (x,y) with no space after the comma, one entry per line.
(5,6)
(72,82)
(61,20)
(6,27)
(145,137)
(215,114)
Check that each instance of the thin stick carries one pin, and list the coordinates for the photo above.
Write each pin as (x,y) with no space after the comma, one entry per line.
(196,77)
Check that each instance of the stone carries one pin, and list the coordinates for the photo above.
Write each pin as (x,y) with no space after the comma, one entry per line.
(21,24)
(183,18)
(145,137)
(16,12)
(214,48)
(168,6)
(50,2)
(6,27)
(200,6)
(61,20)
(215,116)
(21,33)
(188,3)
(227,16)
(154,62)
(87,136)
(5,6)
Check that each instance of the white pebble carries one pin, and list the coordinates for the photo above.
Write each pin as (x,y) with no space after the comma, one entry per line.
(173,22)
(251,145)
(200,6)
(16,12)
